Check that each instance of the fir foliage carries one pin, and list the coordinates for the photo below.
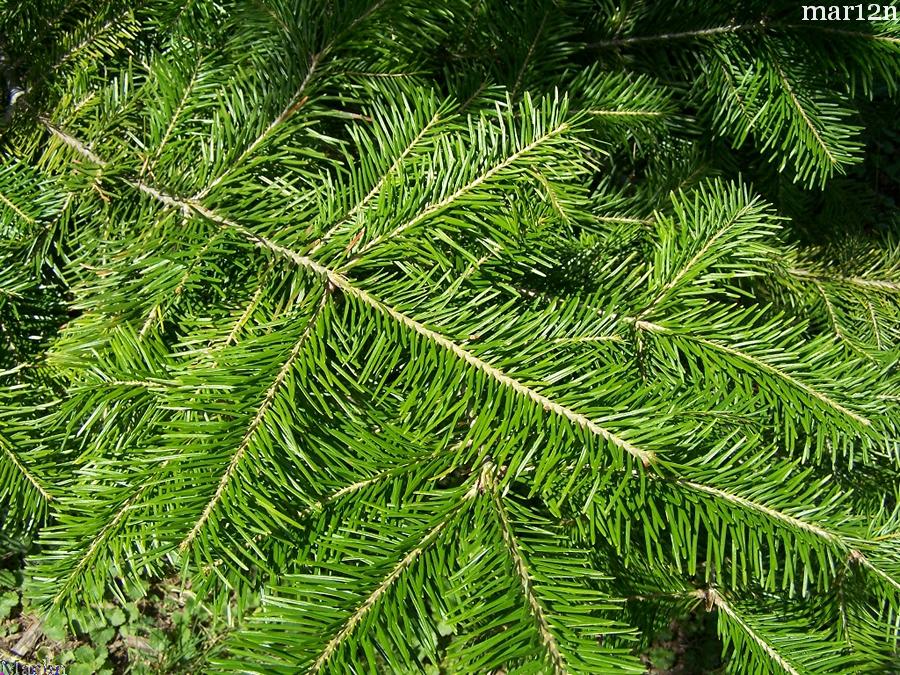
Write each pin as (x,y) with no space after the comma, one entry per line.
(456,336)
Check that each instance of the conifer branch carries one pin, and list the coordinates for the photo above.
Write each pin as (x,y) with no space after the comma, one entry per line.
(749,119)
(646,457)
(749,358)
(525,62)
(352,488)
(624,113)
(768,512)
(719,602)
(73,143)
(404,564)
(436,207)
(156,312)
(758,363)
(874,37)
(684,35)
(22,469)
(588,338)
(248,310)
(789,89)
(359,206)
(876,331)
(860,282)
(534,605)
(551,196)
(89,38)
(295,101)
(88,557)
(865,562)
(151,160)
(18,211)
(830,309)
(697,257)
(255,423)
(644,222)
(133,384)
